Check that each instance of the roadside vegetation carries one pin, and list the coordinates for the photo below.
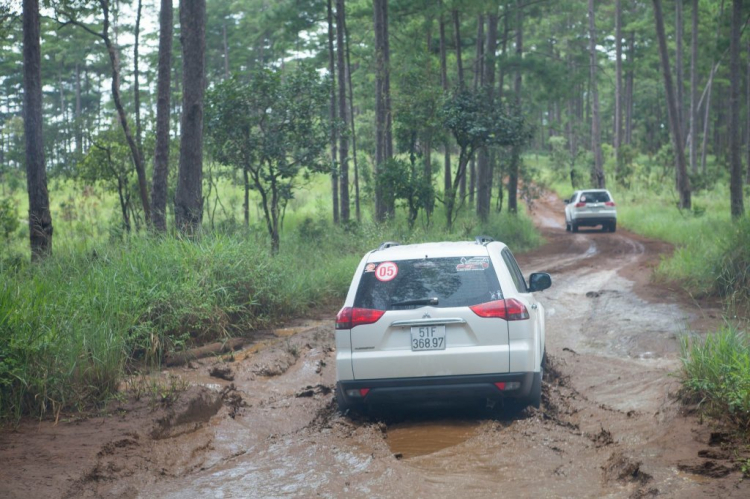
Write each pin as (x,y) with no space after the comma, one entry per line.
(73,325)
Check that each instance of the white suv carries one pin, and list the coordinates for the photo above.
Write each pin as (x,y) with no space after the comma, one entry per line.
(440,321)
(589,208)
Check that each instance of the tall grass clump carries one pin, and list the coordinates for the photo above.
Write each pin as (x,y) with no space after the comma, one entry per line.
(716,373)
(732,269)
(73,324)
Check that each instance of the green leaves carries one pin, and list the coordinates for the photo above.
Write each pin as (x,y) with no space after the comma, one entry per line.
(477,121)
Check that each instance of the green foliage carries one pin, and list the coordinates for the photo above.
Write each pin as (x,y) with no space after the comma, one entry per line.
(716,372)
(272,128)
(401,180)
(732,269)
(476,122)
(8,219)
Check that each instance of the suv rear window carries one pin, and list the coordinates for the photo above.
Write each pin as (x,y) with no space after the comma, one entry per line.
(594,197)
(454,281)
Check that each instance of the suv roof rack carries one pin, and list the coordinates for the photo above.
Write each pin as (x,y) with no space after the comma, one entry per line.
(388,244)
(483,240)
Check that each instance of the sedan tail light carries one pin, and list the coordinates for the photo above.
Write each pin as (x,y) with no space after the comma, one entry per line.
(580,205)
(609,203)
(350,317)
(509,309)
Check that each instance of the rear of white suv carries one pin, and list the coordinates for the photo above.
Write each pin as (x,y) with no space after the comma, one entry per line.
(590,208)
(440,321)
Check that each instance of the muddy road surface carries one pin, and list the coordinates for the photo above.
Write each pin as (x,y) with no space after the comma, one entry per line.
(263,423)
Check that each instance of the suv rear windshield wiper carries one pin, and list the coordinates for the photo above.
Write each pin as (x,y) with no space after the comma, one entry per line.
(421,301)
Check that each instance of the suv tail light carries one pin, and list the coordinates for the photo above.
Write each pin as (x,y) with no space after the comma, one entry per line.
(609,203)
(509,309)
(580,205)
(350,317)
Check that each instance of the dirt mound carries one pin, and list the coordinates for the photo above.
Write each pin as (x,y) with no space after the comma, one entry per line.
(620,468)
(193,408)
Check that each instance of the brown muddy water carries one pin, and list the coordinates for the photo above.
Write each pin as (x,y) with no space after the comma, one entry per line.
(262,422)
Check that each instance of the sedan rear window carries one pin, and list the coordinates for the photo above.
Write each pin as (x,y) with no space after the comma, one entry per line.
(409,284)
(594,197)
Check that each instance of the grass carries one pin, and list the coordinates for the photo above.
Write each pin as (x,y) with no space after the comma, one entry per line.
(104,304)
(716,373)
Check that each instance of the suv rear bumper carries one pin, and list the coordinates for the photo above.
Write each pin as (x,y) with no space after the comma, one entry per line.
(592,221)
(438,388)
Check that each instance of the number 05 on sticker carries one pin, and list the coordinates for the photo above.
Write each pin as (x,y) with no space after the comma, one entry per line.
(428,338)
(386,271)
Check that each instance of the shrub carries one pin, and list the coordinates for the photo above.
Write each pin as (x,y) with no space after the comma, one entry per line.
(716,372)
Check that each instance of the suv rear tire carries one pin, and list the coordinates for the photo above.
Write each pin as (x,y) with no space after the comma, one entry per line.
(573,227)
(612,226)
(535,396)
(343,405)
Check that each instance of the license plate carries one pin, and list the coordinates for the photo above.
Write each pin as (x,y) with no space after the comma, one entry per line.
(427,338)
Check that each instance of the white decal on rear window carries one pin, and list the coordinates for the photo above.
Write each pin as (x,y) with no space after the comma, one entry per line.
(473,263)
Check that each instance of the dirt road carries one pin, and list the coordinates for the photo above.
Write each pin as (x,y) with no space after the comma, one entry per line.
(609,425)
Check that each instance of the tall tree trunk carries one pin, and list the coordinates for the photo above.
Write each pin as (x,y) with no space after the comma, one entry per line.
(694,89)
(503,49)
(678,66)
(333,114)
(384,143)
(343,139)
(618,77)
(461,83)
(136,89)
(40,220)
(682,178)
(515,154)
(447,169)
(478,74)
(747,101)
(188,198)
(457,35)
(597,169)
(78,127)
(354,132)
(161,150)
(629,83)
(484,163)
(735,140)
(707,118)
(226,51)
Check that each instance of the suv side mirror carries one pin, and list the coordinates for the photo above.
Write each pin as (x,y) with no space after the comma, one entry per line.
(566,201)
(539,281)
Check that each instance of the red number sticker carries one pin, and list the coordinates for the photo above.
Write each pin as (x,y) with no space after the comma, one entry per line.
(386,271)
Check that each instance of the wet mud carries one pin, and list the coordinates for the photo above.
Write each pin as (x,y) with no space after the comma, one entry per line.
(262,422)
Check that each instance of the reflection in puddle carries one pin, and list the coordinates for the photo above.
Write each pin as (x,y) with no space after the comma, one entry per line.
(425,437)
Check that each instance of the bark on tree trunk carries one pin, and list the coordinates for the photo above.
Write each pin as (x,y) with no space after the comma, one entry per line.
(78,129)
(343,139)
(354,132)
(597,171)
(40,220)
(747,176)
(515,154)
(161,150)
(447,169)
(188,198)
(461,83)
(333,114)
(484,165)
(226,51)
(735,141)
(384,142)
(694,89)
(478,72)
(682,179)
(136,83)
(679,71)
(629,83)
(618,77)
